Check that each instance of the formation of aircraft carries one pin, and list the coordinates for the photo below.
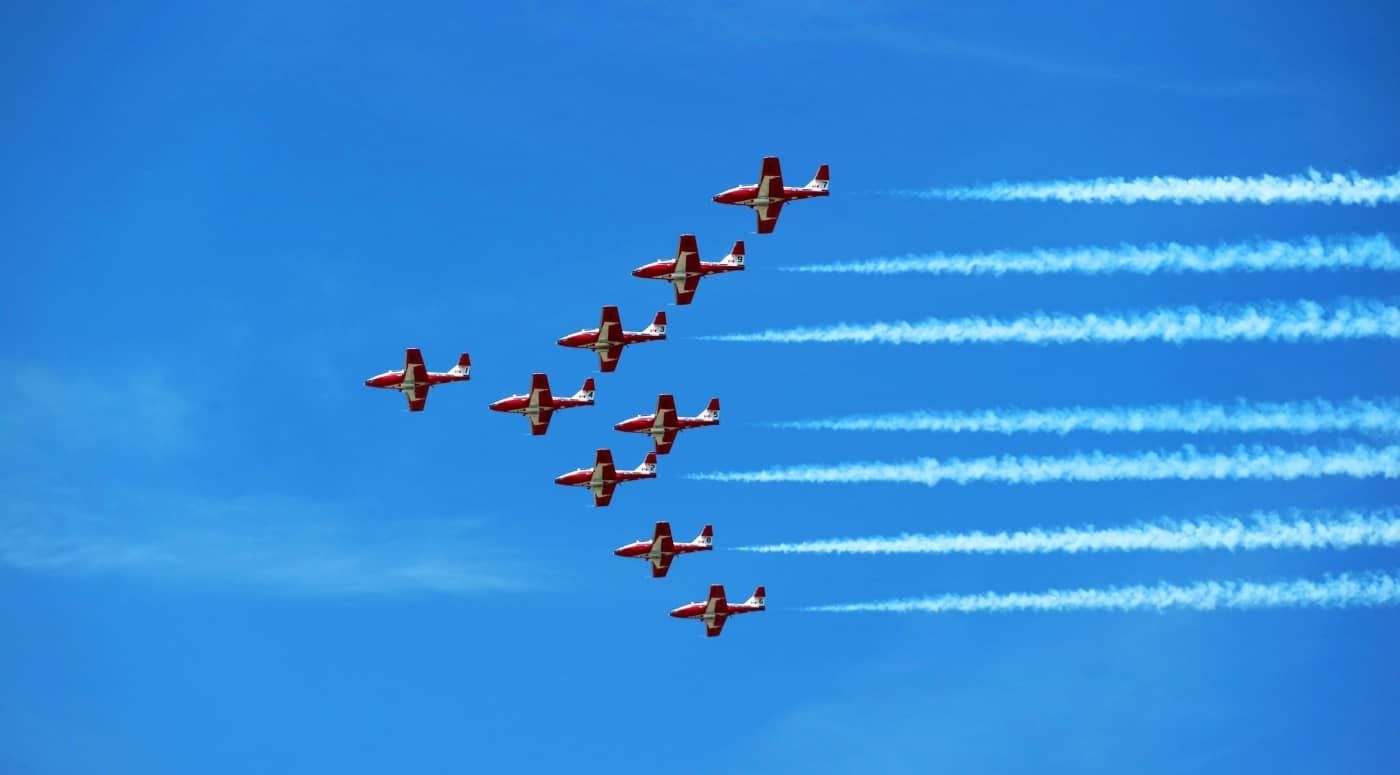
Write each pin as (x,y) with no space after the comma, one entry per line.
(768,195)
(414,380)
(608,338)
(664,424)
(716,610)
(539,405)
(685,270)
(662,549)
(604,477)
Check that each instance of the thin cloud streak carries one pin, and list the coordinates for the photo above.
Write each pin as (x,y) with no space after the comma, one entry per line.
(1346,591)
(1380,417)
(1269,321)
(1310,254)
(1262,530)
(1312,187)
(1244,463)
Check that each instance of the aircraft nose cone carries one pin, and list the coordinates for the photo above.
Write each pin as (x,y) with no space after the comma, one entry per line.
(617,552)
(636,273)
(559,479)
(676,613)
(367,382)
(716,197)
(560,341)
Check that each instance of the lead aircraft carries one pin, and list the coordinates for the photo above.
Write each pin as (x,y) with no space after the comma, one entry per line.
(665,423)
(415,379)
(661,549)
(539,405)
(768,196)
(685,270)
(603,477)
(608,338)
(715,610)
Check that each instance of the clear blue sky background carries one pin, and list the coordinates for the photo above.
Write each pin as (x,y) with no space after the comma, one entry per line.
(219,553)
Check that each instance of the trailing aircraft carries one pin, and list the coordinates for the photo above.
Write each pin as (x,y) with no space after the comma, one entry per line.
(716,610)
(664,424)
(685,270)
(539,405)
(768,196)
(662,549)
(608,338)
(415,379)
(603,477)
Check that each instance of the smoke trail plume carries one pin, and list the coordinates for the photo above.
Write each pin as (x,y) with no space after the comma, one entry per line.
(1311,188)
(1263,530)
(1187,464)
(1345,591)
(1317,416)
(1271,321)
(1311,254)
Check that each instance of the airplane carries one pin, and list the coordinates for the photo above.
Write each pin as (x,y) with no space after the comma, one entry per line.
(768,196)
(415,380)
(539,404)
(715,610)
(603,476)
(608,338)
(661,549)
(685,270)
(665,423)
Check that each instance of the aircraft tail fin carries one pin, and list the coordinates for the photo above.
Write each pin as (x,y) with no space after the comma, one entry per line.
(759,598)
(658,325)
(822,179)
(586,392)
(463,367)
(736,255)
(711,412)
(648,465)
(706,537)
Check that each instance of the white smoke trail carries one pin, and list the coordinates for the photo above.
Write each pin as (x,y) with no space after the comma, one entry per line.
(1188,464)
(1263,530)
(1270,321)
(1345,591)
(1317,416)
(1313,187)
(1311,254)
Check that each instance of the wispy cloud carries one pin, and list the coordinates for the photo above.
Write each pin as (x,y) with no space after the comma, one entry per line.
(1345,591)
(1186,464)
(1262,530)
(1309,254)
(1268,321)
(277,544)
(1379,416)
(1311,188)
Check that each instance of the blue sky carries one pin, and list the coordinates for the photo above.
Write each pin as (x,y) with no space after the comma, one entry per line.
(220,553)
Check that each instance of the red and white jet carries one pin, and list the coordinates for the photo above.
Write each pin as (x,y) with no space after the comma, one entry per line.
(665,423)
(661,549)
(768,196)
(608,338)
(415,379)
(685,270)
(715,610)
(603,477)
(539,404)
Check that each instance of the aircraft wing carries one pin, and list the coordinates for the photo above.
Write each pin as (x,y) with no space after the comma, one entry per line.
(413,368)
(660,565)
(685,288)
(417,395)
(602,493)
(716,609)
(661,540)
(770,178)
(664,440)
(713,627)
(539,421)
(610,328)
(768,216)
(608,357)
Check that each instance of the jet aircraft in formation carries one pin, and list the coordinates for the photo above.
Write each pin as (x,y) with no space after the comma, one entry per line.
(539,405)
(662,549)
(769,194)
(715,610)
(665,423)
(685,270)
(608,338)
(415,379)
(603,477)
